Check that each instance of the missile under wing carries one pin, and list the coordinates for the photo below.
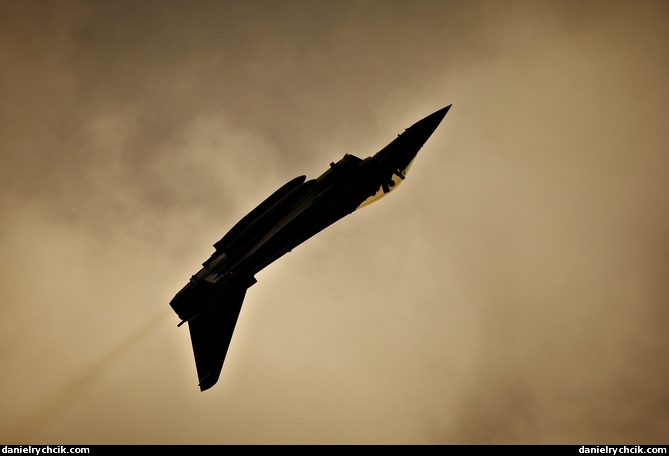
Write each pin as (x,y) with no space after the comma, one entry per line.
(211,301)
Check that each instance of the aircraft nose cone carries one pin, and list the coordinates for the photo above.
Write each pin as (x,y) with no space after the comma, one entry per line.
(441,113)
(424,128)
(432,121)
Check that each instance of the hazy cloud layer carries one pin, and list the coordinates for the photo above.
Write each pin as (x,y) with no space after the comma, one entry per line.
(513,291)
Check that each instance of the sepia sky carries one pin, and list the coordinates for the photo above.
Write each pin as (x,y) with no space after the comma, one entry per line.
(513,290)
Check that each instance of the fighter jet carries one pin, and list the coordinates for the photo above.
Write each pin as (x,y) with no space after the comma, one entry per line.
(211,301)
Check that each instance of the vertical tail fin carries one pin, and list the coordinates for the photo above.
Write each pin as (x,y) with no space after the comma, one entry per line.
(211,333)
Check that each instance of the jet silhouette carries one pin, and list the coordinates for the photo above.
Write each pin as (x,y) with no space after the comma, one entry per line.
(212,299)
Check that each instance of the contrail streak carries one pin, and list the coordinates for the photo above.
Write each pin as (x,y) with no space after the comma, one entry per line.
(54,403)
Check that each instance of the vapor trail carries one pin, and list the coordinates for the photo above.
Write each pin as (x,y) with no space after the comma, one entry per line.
(54,403)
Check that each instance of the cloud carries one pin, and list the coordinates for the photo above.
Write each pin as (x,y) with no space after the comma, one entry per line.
(512,291)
